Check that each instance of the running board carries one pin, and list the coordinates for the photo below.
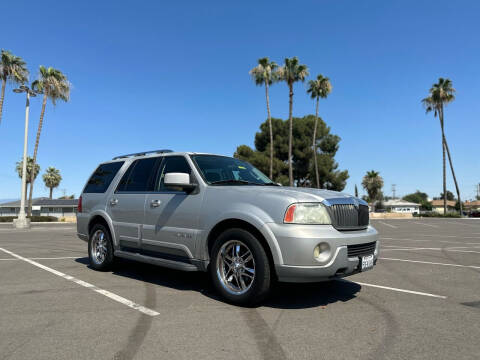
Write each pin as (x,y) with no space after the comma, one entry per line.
(156,261)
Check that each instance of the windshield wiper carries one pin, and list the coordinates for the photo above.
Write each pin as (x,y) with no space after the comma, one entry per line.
(271,184)
(231,181)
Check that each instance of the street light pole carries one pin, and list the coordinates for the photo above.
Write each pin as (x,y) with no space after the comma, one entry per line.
(22,222)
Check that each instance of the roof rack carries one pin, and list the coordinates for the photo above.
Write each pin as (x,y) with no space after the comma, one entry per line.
(162,151)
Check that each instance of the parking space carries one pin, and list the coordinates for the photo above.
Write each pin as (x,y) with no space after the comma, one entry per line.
(422,300)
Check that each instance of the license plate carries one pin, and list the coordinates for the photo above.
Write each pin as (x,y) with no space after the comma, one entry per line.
(366,262)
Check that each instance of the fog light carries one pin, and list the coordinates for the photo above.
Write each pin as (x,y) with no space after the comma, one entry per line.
(322,252)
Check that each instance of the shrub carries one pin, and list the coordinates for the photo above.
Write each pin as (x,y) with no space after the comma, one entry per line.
(32,219)
(435,214)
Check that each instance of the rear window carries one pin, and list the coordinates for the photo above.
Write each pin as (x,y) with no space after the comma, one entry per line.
(102,177)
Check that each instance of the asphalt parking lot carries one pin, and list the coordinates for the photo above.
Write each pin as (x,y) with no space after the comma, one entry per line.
(421,301)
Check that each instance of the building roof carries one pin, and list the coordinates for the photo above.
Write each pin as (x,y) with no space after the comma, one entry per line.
(399,202)
(45,202)
(439,202)
(472,203)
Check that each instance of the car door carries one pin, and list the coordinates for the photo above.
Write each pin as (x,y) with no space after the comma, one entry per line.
(126,204)
(171,215)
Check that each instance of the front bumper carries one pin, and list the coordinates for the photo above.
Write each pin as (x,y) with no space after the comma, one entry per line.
(297,244)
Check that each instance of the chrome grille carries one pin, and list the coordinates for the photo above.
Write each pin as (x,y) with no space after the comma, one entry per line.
(349,217)
(361,249)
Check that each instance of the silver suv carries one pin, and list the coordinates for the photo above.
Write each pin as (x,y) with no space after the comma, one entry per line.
(204,212)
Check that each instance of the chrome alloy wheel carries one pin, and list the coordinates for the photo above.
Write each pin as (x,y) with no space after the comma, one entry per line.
(235,267)
(99,247)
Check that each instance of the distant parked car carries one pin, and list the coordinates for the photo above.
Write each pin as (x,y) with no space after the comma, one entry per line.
(475,214)
(203,212)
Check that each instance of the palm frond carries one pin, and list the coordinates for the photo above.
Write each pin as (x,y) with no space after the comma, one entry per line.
(13,68)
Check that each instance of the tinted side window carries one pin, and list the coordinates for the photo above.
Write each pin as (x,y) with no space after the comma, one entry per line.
(102,177)
(139,176)
(170,164)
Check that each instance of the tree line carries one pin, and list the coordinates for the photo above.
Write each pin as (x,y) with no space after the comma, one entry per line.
(293,159)
(53,85)
(51,177)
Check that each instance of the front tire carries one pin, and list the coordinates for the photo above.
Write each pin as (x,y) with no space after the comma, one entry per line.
(100,248)
(239,267)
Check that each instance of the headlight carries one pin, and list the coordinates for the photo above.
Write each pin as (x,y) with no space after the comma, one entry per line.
(307,213)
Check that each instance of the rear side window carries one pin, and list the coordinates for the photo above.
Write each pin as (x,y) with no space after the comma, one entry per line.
(139,176)
(102,177)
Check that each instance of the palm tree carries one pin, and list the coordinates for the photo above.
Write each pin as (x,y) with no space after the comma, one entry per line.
(52,179)
(12,68)
(264,74)
(441,94)
(372,182)
(54,86)
(319,88)
(291,72)
(19,170)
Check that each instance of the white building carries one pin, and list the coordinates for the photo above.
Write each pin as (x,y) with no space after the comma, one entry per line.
(43,207)
(402,206)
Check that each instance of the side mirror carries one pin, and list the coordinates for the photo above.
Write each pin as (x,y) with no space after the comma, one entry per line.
(179,180)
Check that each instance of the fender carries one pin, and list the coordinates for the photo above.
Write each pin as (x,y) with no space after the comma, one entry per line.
(106,217)
(252,215)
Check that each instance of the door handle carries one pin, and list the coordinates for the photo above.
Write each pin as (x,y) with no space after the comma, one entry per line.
(155,203)
(113,202)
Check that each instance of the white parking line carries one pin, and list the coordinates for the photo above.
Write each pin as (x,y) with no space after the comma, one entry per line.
(420,223)
(399,290)
(47,258)
(404,248)
(432,263)
(107,293)
(424,240)
(392,226)
(451,236)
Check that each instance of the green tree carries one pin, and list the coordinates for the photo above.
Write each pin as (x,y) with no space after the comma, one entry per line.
(450,196)
(373,183)
(291,72)
(264,74)
(52,178)
(441,94)
(319,88)
(419,197)
(54,86)
(416,197)
(30,174)
(327,146)
(14,69)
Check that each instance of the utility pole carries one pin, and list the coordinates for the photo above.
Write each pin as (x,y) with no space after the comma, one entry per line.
(22,222)
(394,186)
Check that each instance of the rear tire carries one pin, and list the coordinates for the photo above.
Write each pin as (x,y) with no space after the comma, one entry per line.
(239,267)
(100,248)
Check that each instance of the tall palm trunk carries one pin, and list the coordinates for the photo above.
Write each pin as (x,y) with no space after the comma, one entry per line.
(444,170)
(2,96)
(51,191)
(451,166)
(314,145)
(271,130)
(290,135)
(37,140)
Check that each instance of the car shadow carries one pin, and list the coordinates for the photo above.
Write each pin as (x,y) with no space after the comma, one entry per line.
(283,295)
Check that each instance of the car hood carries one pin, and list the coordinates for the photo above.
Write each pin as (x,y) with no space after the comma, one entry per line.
(307,194)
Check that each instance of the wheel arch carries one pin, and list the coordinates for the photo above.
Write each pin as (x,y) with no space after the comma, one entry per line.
(100,218)
(231,223)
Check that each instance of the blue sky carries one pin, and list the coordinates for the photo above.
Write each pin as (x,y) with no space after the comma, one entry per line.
(150,75)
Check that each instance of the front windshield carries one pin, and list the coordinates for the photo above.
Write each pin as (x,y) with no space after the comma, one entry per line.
(222,170)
